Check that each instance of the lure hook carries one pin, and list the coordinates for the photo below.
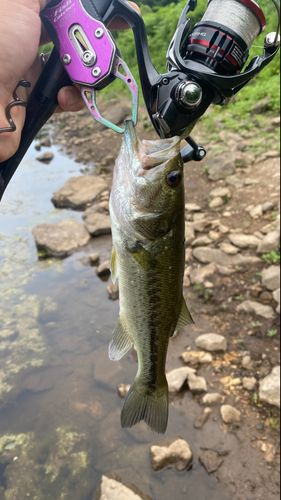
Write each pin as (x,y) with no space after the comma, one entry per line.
(16,102)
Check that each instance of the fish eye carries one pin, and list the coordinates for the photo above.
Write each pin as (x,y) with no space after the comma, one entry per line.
(173,178)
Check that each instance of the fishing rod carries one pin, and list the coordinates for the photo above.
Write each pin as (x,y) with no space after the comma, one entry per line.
(204,66)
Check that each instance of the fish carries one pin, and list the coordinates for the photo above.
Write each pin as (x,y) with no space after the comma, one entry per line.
(147,210)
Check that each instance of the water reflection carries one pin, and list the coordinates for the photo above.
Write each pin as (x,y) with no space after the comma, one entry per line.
(59,408)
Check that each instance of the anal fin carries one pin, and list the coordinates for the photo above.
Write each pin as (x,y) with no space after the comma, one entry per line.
(185,317)
(120,344)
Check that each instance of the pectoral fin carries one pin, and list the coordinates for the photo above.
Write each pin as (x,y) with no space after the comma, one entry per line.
(120,344)
(143,257)
(113,265)
(185,316)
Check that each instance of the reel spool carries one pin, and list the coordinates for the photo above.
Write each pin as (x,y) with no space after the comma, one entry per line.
(222,39)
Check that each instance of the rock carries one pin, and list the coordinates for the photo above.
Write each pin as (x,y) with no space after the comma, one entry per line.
(45,142)
(276,121)
(211,398)
(269,228)
(199,274)
(207,255)
(98,224)
(243,145)
(192,207)
(244,160)
(229,414)
(216,202)
(249,181)
(220,167)
(113,291)
(270,388)
(225,271)
(110,489)
(195,358)
(270,452)
(211,460)
(211,342)
(94,258)
(249,383)
(177,378)
(247,362)
(196,384)
(201,241)
(228,248)
(37,148)
(188,254)
(104,269)
(244,240)
(234,181)
(261,106)
(199,217)
(220,192)
(189,234)
(276,296)
(268,206)
(60,239)
(123,390)
(248,306)
(45,157)
(202,419)
(116,115)
(174,451)
(101,208)
(214,235)
(271,278)
(223,229)
(256,212)
(79,192)
(269,243)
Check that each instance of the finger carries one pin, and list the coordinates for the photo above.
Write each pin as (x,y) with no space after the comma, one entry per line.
(118,23)
(70,99)
(44,36)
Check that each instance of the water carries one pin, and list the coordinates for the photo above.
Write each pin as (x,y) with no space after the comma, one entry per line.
(59,407)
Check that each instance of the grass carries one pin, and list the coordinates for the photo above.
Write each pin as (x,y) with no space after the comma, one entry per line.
(272,257)
(255,324)
(255,398)
(239,297)
(272,333)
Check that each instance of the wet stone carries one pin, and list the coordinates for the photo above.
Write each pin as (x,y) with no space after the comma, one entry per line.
(123,390)
(98,224)
(249,306)
(60,239)
(174,451)
(94,258)
(113,291)
(269,391)
(45,142)
(212,342)
(212,398)
(104,269)
(178,377)
(271,278)
(202,419)
(45,157)
(211,460)
(110,489)
(79,192)
(229,414)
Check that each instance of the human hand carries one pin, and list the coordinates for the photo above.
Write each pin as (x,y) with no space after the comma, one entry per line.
(20,35)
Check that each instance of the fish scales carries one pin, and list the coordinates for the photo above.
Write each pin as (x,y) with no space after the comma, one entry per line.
(148,223)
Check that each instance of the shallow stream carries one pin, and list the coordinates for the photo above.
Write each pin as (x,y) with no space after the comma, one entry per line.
(59,407)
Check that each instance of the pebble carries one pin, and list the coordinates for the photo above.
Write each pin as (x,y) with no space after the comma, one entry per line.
(113,291)
(228,248)
(94,258)
(271,277)
(276,296)
(188,254)
(197,384)
(269,228)
(211,342)
(174,451)
(269,243)
(195,358)
(201,241)
(45,157)
(199,274)
(225,271)
(249,181)
(244,240)
(247,362)
(257,308)
(192,207)
(234,181)
(229,414)
(212,398)
(104,268)
(123,390)
(202,419)
(223,229)
(211,460)
(214,235)
(110,489)
(220,192)
(177,378)
(216,202)
(213,255)
(45,142)
(256,212)
(98,224)
(270,452)
(189,234)
(268,206)
(276,121)
(270,388)
(249,383)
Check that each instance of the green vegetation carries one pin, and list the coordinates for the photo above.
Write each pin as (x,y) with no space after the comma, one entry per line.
(272,257)
(239,297)
(255,324)
(272,333)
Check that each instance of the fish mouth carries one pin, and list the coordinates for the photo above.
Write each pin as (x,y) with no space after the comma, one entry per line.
(131,138)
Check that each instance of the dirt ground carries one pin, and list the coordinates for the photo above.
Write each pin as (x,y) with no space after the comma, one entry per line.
(246,473)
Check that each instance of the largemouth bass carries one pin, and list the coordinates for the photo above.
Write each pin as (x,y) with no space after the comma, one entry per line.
(148,222)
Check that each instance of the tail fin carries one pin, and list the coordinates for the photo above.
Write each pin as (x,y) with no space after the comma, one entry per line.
(142,404)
